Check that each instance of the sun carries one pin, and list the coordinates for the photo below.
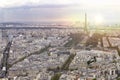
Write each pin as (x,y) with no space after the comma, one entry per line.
(98,19)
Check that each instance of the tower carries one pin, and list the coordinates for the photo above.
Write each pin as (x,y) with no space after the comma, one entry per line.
(85,26)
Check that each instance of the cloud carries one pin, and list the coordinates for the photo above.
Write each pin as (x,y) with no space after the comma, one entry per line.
(19,3)
(41,13)
(11,3)
(84,3)
(25,10)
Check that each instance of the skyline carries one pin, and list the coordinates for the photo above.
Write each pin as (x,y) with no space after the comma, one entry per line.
(99,12)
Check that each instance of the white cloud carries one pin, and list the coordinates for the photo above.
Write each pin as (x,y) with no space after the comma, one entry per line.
(108,8)
(84,3)
(11,3)
(16,3)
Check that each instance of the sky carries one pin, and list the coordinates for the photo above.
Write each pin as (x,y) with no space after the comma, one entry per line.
(98,11)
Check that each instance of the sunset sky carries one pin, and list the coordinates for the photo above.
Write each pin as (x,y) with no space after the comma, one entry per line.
(98,11)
